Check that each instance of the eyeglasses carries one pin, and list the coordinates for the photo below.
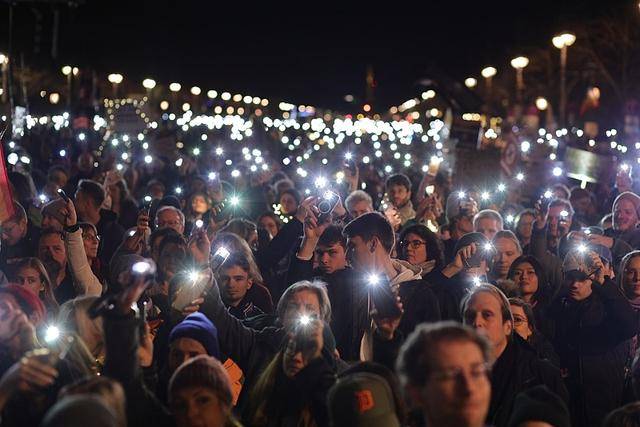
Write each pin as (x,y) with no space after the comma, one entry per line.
(476,372)
(519,320)
(91,237)
(413,244)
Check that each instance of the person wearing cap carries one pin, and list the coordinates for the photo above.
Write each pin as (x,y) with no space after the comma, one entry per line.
(517,366)
(474,253)
(539,405)
(459,210)
(362,399)
(444,368)
(593,321)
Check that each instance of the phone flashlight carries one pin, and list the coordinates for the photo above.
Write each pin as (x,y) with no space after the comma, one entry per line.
(52,334)
(430,189)
(304,320)
(199,223)
(141,267)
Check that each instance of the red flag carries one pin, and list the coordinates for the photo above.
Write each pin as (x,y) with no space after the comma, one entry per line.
(6,199)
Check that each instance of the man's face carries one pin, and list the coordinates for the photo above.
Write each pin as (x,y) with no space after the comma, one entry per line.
(525,226)
(360,208)
(578,290)
(465,224)
(398,195)
(303,302)
(169,218)
(183,349)
(359,253)
(235,283)
(49,221)
(625,216)
(52,253)
(559,221)
(331,258)
(483,313)
(488,226)
(458,391)
(506,253)
(13,232)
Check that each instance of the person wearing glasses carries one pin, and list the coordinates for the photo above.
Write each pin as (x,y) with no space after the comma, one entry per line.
(445,370)
(420,247)
(517,367)
(524,323)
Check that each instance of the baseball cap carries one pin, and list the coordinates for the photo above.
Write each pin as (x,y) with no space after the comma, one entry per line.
(362,399)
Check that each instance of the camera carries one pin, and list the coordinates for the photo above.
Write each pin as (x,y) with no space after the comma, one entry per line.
(327,204)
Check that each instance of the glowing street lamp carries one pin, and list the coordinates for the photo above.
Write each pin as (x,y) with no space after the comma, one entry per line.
(70,72)
(115,80)
(488,73)
(562,42)
(470,82)
(541,103)
(149,84)
(519,63)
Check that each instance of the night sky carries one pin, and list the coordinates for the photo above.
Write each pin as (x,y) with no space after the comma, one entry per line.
(305,52)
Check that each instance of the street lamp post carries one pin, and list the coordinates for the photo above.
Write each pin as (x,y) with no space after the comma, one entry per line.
(115,80)
(149,84)
(70,71)
(562,42)
(519,63)
(4,65)
(488,73)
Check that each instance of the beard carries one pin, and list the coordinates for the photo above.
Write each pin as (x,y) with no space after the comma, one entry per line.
(53,267)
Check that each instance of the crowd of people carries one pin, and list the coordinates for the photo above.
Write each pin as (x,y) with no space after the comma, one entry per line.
(378,299)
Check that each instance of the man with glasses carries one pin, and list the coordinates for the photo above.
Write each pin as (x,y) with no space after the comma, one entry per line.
(444,368)
(593,323)
(170,217)
(517,366)
(19,239)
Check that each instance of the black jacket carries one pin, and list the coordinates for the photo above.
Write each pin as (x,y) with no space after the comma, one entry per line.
(121,363)
(590,339)
(450,292)
(517,369)
(111,233)
(349,305)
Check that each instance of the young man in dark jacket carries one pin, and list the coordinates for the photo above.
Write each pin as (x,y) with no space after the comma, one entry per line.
(593,323)
(370,240)
(517,366)
(348,300)
(88,200)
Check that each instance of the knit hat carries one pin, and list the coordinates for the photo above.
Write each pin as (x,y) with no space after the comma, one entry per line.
(29,303)
(362,399)
(77,410)
(631,197)
(53,209)
(198,327)
(539,404)
(202,371)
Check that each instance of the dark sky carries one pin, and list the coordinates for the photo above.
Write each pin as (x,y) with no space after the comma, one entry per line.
(305,52)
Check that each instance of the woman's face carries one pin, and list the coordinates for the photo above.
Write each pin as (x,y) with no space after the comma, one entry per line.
(199,205)
(631,279)
(91,242)
(526,278)
(625,216)
(30,278)
(520,322)
(416,248)
(288,203)
(198,407)
(269,224)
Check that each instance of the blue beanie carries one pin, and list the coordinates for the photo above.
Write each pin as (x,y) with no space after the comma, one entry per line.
(197,327)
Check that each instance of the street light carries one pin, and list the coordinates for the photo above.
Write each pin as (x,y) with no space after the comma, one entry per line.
(470,82)
(541,103)
(488,73)
(562,42)
(175,87)
(195,90)
(519,63)
(149,84)
(115,80)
